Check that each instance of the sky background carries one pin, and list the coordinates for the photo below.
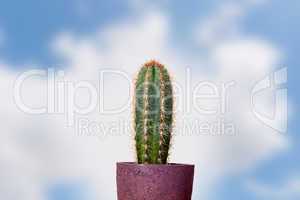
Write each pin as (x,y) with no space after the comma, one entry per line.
(245,41)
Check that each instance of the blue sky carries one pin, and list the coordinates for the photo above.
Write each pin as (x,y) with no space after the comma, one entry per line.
(33,24)
(29,27)
(277,22)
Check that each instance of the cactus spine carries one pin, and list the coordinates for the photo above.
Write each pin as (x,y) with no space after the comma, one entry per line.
(153,114)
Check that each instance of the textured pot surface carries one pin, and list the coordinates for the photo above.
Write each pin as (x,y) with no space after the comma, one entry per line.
(154,182)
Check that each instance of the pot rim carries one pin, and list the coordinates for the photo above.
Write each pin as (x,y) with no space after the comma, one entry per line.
(156,165)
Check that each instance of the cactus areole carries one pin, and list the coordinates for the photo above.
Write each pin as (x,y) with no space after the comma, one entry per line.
(153,113)
(152,177)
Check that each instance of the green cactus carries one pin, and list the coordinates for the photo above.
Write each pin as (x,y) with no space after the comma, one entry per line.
(153,114)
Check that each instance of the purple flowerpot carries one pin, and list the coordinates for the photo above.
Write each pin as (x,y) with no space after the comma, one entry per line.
(154,182)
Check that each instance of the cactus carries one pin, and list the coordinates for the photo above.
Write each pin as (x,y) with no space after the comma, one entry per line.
(153,114)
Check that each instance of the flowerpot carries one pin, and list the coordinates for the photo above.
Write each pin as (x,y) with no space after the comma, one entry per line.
(154,182)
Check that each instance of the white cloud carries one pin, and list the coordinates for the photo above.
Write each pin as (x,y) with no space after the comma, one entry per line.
(221,25)
(288,190)
(144,5)
(224,23)
(47,150)
(255,55)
